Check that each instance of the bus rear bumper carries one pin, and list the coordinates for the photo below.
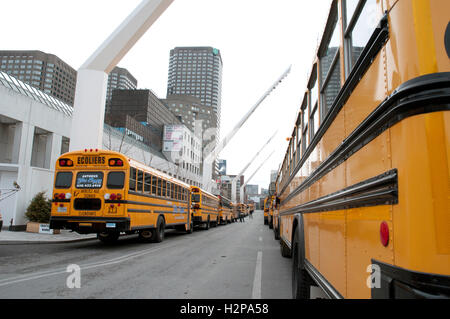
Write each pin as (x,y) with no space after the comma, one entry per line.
(90,225)
(400,283)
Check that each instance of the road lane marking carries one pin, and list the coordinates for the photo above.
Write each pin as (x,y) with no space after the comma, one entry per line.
(256,293)
(14,280)
(260,238)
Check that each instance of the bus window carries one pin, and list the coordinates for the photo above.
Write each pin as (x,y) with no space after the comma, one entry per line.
(178,192)
(159,187)
(164,188)
(330,80)
(360,23)
(169,190)
(89,180)
(154,185)
(173,191)
(140,179)
(63,180)
(115,180)
(147,183)
(132,179)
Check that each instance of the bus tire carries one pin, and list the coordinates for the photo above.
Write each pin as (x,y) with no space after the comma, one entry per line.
(146,235)
(277,233)
(158,232)
(108,237)
(191,226)
(301,283)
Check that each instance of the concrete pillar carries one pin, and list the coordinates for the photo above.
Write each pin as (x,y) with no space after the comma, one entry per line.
(26,137)
(89,110)
(52,150)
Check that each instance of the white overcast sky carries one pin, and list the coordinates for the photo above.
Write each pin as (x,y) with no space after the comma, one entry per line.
(258,40)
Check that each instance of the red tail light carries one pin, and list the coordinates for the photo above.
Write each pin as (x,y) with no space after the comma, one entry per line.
(113,197)
(62,196)
(384,234)
(115,162)
(119,196)
(64,162)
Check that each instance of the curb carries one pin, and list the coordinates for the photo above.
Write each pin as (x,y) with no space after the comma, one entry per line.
(26,242)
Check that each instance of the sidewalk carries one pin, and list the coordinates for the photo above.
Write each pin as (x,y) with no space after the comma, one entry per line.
(18,238)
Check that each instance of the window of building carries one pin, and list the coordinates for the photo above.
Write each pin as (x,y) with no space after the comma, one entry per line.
(360,20)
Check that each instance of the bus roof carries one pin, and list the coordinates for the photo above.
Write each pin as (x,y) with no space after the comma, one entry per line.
(132,162)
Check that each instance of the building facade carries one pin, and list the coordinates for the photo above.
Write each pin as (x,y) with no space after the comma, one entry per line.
(182,147)
(141,112)
(44,71)
(119,79)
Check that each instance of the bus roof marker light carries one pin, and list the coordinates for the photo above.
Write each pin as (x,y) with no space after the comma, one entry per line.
(384,234)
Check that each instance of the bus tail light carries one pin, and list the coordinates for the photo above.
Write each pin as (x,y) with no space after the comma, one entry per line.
(116,162)
(113,197)
(62,196)
(107,196)
(384,234)
(64,162)
(68,195)
(119,196)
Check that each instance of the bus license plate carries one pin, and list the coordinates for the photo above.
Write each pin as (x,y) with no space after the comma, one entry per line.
(110,225)
(62,210)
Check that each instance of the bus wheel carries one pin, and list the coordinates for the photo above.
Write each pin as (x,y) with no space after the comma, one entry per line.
(207,224)
(300,278)
(108,237)
(191,226)
(145,236)
(158,233)
(277,233)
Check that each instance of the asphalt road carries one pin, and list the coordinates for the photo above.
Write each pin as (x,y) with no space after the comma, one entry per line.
(237,261)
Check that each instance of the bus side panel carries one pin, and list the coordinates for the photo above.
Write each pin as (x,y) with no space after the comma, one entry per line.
(439,24)
(416,45)
(422,219)
(332,257)
(363,244)
(311,229)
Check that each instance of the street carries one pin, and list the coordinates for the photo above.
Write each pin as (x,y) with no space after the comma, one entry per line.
(235,261)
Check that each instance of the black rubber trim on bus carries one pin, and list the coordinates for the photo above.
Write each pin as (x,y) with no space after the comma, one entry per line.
(396,282)
(373,47)
(379,190)
(425,94)
(60,200)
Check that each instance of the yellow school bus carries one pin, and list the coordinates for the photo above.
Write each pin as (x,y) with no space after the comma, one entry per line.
(205,208)
(266,210)
(364,185)
(107,193)
(225,210)
(276,217)
(271,211)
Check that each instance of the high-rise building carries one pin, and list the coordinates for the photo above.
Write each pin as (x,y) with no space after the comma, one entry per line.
(148,113)
(44,71)
(191,113)
(119,79)
(197,71)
